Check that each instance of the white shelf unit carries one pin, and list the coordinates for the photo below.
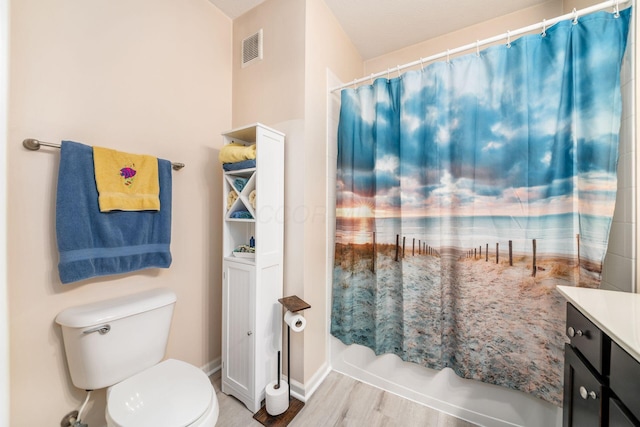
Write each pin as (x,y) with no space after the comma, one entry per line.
(251,287)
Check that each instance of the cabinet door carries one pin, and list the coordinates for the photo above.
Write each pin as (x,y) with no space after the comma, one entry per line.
(238,334)
(619,417)
(583,393)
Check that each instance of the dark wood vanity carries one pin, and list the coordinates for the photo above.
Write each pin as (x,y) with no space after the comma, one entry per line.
(601,379)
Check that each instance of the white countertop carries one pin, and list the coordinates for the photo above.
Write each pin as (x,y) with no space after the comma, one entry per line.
(616,313)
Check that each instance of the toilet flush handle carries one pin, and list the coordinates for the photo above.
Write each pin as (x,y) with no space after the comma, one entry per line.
(102,329)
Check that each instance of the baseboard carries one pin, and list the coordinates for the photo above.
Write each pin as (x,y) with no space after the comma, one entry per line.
(212,367)
(303,392)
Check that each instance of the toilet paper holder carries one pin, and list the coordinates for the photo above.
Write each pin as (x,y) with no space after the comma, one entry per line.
(291,304)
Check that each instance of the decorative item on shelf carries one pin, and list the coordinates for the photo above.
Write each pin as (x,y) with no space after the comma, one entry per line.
(252,242)
(244,251)
(252,198)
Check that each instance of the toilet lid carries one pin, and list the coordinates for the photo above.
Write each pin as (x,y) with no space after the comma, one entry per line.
(171,393)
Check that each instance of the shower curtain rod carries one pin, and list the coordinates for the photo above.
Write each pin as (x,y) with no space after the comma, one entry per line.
(546,23)
(34,144)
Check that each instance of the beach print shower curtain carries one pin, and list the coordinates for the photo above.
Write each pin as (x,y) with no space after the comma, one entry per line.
(467,191)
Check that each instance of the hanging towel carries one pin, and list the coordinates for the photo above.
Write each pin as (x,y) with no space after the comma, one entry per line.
(126,182)
(91,243)
(235,152)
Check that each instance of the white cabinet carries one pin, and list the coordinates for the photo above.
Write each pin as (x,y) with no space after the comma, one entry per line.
(251,286)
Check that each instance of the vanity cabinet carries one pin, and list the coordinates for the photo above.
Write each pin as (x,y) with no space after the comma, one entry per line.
(601,380)
(252,282)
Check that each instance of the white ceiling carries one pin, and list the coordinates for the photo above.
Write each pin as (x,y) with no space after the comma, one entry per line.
(377,27)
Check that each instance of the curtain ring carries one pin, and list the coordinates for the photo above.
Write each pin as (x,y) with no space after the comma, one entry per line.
(617,9)
(508,39)
(575,16)
(371,78)
(354,84)
(448,57)
(421,63)
(544,28)
(398,69)
(388,74)
(478,48)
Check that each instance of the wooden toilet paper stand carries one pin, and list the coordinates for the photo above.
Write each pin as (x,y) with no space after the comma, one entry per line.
(292,304)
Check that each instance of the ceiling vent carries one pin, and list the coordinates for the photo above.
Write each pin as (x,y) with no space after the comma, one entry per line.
(252,49)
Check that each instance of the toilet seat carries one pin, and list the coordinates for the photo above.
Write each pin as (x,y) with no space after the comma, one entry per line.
(172,393)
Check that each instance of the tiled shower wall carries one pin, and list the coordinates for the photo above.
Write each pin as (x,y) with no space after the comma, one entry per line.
(619,269)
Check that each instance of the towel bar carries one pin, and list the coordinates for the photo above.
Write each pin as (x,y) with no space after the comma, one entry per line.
(34,144)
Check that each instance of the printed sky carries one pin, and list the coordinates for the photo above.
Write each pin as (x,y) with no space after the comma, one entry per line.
(529,129)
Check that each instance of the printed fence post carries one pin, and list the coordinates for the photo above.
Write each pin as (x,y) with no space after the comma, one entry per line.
(480,252)
(496,253)
(534,258)
(403,242)
(413,247)
(475,252)
(486,253)
(419,246)
(373,262)
(510,253)
(397,245)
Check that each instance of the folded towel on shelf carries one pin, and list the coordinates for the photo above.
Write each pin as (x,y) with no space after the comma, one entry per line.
(126,182)
(231,197)
(91,243)
(236,152)
(252,199)
(241,214)
(245,164)
(239,183)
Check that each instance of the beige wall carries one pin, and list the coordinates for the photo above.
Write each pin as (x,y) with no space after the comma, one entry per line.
(465,36)
(327,48)
(150,76)
(4,315)
(272,90)
(287,91)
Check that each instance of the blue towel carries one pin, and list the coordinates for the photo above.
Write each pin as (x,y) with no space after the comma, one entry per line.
(245,164)
(239,183)
(241,214)
(92,243)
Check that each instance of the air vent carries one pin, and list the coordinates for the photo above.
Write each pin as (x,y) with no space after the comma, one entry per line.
(252,49)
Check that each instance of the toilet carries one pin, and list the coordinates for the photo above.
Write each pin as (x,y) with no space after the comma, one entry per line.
(119,344)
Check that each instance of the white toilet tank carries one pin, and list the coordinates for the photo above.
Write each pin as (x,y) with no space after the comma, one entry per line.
(109,341)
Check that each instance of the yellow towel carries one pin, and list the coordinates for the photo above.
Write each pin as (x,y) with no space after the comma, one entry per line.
(236,152)
(126,182)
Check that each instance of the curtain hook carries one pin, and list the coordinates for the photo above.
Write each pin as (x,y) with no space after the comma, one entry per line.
(448,57)
(422,63)
(354,84)
(575,16)
(544,28)
(398,69)
(371,78)
(508,39)
(388,73)
(477,48)
(617,9)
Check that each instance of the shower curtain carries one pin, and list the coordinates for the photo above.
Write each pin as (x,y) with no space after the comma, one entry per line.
(469,189)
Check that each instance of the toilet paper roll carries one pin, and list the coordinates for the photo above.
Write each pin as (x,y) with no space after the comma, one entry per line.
(295,321)
(277,398)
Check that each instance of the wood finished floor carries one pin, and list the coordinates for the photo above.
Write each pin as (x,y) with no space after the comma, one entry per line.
(343,401)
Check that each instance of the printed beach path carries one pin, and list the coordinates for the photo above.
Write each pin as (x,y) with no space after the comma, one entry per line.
(508,324)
